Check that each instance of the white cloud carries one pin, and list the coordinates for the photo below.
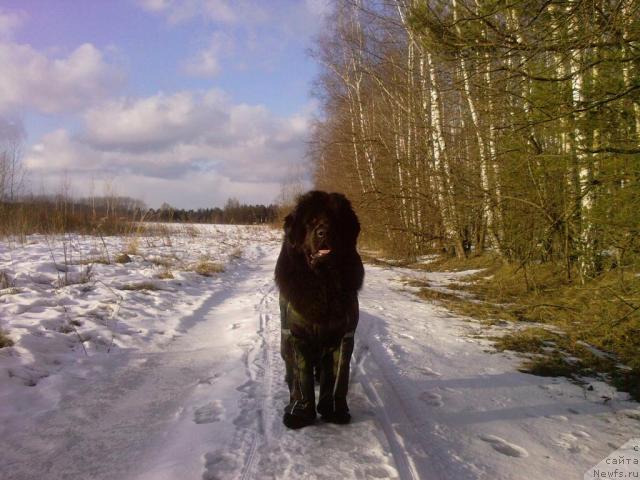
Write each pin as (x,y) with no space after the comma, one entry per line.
(57,152)
(193,144)
(317,7)
(207,62)
(198,189)
(250,34)
(194,190)
(10,21)
(297,16)
(32,80)
(177,11)
(155,5)
(155,122)
(198,124)
(218,11)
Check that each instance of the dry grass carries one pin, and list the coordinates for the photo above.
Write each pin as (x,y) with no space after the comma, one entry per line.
(165,275)
(123,258)
(155,230)
(140,286)
(208,268)
(191,231)
(487,262)
(163,261)
(5,281)
(132,246)
(57,216)
(373,257)
(602,316)
(91,260)
(4,340)
(66,278)
(10,291)
(553,365)
(427,293)
(159,231)
(530,340)
(553,355)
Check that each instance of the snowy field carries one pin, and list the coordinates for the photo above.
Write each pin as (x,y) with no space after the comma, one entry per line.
(151,370)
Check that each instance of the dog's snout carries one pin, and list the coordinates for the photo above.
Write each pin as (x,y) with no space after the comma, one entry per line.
(321,232)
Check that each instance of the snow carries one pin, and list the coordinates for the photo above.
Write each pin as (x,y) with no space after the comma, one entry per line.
(186,381)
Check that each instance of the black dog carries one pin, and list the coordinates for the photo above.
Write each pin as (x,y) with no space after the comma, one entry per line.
(319,273)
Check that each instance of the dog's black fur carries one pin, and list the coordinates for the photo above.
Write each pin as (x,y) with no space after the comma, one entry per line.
(321,287)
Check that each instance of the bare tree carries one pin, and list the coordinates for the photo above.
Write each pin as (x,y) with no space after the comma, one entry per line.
(12,172)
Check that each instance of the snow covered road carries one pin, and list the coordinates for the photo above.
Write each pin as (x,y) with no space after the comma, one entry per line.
(428,401)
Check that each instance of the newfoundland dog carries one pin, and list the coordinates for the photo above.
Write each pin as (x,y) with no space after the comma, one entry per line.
(319,273)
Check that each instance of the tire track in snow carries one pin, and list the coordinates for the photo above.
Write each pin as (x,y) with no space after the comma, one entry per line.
(404,462)
(273,451)
(391,411)
(249,422)
(261,368)
(413,438)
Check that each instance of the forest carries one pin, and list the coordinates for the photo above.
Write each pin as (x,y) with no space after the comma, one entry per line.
(112,215)
(504,136)
(469,125)
(233,212)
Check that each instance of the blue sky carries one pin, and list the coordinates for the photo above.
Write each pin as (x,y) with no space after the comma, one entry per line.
(183,101)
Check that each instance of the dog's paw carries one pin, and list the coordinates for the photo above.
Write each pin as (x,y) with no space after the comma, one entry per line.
(341,418)
(295,422)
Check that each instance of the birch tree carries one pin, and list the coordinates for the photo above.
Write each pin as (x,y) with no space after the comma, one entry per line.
(445,119)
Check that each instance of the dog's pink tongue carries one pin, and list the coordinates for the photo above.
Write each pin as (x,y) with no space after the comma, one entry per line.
(323,252)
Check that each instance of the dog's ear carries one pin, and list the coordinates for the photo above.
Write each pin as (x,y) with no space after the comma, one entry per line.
(352,225)
(292,229)
(288,227)
(349,224)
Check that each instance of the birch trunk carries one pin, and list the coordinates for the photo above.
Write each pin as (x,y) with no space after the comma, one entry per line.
(627,67)
(587,251)
(441,168)
(441,164)
(484,148)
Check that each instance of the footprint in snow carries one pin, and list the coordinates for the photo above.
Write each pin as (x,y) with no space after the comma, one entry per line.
(431,398)
(633,414)
(406,335)
(572,442)
(219,465)
(504,447)
(428,371)
(560,418)
(209,413)
(208,380)
(450,390)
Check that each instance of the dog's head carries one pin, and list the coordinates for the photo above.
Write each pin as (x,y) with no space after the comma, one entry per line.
(323,226)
